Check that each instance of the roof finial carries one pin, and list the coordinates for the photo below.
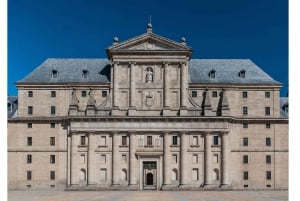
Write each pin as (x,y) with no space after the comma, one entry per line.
(149,26)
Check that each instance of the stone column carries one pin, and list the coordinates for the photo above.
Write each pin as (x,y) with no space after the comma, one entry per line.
(115,85)
(133,171)
(115,159)
(69,155)
(225,159)
(167,160)
(208,170)
(89,161)
(132,85)
(183,159)
(73,160)
(183,85)
(166,85)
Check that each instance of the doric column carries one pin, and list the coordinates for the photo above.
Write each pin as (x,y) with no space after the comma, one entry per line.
(166,84)
(183,159)
(132,84)
(133,171)
(167,162)
(115,159)
(208,143)
(183,84)
(225,159)
(115,84)
(89,160)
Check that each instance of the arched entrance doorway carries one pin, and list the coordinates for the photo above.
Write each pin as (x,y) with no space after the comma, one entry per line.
(149,179)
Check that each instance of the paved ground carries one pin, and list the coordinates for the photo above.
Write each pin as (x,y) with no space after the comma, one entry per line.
(147,195)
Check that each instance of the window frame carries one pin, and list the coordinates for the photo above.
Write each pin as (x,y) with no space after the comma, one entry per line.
(52,141)
(245,125)
(216,141)
(268,125)
(268,175)
(124,140)
(245,111)
(245,142)
(268,141)
(30,94)
(30,110)
(52,175)
(83,93)
(194,94)
(268,159)
(174,140)
(246,175)
(82,140)
(29,158)
(53,94)
(52,159)
(214,94)
(29,125)
(29,141)
(149,140)
(29,175)
(53,110)
(267,94)
(245,94)
(267,111)
(245,159)
(104,93)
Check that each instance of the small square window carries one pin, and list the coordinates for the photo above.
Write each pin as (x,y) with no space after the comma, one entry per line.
(245,125)
(52,141)
(194,93)
(30,110)
(246,175)
(29,125)
(267,111)
(29,175)
(245,111)
(52,159)
(214,94)
(53,110)
(30,94)
(268,125)
(268,159)
(245,94)
(268,175)
(52,125)
(174,140)
(53,93)
(83,93)
(29,141)
(29,158)
(267,94)
(268,141)
(104,93)
(245,141)
(245,159)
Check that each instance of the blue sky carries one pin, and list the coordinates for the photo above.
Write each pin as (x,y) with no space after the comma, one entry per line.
(41,29)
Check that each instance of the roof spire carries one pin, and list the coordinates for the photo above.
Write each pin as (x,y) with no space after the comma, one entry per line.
(149,26)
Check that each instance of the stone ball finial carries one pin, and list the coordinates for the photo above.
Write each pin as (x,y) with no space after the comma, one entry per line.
(183,40)
(116,39)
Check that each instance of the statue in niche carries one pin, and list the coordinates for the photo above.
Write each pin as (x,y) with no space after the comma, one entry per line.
(149,75)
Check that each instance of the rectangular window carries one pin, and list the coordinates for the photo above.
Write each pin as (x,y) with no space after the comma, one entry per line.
(195,158)
(102,158)
(216,140)
(246,175)
(268,175)
(83,93)
(174,158)
(214,94)
(245,125)
(53,93)
(29,175)
(52,175)
(245,141)
(103,174)
(29,158)
(268,125)
(245,159)
(29,125)
(30,110)
(124,140)
(52,125)
(267,94)
(174,140)
(268,159)
(82,140)
(267,111)
(52,141)
(103,141)
(52,159)
(194,93)
(245,111)
(268,141)
(29,141)
(245,94)
(149,140)
(195,140)
(104,93)
(195,174)
(53,110)
(30,94)
(124,158)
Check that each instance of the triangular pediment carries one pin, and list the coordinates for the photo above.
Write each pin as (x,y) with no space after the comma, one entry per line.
(149,42)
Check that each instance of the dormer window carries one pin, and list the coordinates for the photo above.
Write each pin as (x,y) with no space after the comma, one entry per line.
(85,74)
(212,74)
(242,74)
(9,107)
(54,74)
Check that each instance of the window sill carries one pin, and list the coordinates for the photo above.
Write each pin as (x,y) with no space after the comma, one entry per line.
(174,145)
(123,146)
(102,146)
(82,146)
(195,146)
(148,146)
(215,145)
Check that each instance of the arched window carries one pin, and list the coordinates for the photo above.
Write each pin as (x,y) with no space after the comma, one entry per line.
(149,75)
(124,174)
(216,174)
(174,174)
(54,74)
(85,73)
(242,74)
(82,175)
(212,74)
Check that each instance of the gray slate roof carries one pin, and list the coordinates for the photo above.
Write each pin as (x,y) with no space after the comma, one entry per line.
(70,70)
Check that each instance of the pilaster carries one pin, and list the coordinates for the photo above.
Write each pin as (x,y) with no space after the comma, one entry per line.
(115,158)
(208,168)
(183,89)
(167,162)
(132,104)
(90,173)
(133,169)
(225,159)
(183,159)
(166,89)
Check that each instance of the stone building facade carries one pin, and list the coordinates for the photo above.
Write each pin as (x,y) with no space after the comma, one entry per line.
(148,117)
